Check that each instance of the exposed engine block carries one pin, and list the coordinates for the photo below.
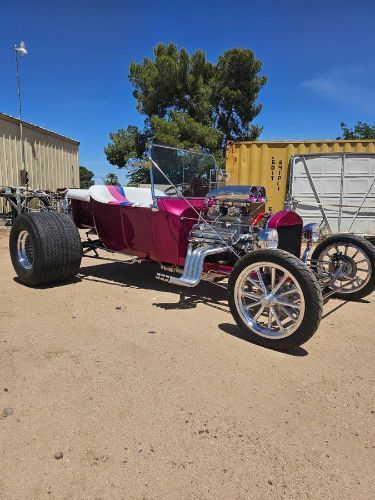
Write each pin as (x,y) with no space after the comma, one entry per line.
(230,211)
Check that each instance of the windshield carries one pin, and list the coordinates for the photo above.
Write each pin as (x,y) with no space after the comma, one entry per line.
(191,173)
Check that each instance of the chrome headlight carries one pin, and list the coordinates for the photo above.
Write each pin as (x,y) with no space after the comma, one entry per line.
(268,238)
(311,232)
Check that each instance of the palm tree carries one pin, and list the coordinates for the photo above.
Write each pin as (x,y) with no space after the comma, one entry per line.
(112,179)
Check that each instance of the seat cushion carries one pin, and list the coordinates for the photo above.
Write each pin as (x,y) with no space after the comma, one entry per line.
(113,195)
(78,194)
(141,197)
(127,196)
(119,196)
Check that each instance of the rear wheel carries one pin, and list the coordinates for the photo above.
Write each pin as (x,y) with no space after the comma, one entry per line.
(351,259)
(275,299)
(45,248)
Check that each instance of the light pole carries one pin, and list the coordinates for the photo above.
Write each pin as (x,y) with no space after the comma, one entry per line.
(21,49)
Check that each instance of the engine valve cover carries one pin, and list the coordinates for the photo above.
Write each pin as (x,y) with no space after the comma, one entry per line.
(213,233)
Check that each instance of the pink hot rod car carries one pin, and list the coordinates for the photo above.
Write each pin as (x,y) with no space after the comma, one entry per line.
(196,229)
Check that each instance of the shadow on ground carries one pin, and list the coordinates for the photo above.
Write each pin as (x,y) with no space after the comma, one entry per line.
(76,279)
(235,331)
(142,276)
(342,304)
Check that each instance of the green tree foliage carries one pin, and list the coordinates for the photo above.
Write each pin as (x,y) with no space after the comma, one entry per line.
(85,177)
(139,176)
(181,130)
(190,102)
(236,87)
(173,81)
(361,130)
(126,144)
(112,179)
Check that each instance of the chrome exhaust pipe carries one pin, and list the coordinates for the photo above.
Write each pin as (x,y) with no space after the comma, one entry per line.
(163,277)
(193,269)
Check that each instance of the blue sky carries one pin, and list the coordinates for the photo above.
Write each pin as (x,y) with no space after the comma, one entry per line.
(318,57)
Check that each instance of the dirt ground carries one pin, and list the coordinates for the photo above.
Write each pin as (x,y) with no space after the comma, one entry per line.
(151,391)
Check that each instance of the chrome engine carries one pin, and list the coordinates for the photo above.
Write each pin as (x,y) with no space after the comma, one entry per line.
(230,211)
(226,229)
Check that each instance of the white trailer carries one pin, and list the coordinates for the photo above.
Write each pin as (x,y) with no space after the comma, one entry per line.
(335,190)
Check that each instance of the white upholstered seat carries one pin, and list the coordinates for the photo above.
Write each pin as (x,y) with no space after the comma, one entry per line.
(78,194)
(116,195)
(141,197)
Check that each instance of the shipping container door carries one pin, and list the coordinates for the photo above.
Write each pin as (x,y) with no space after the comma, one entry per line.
(342,183)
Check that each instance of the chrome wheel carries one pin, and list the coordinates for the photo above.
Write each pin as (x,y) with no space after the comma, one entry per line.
(25,250)
(269,300)
(348,263)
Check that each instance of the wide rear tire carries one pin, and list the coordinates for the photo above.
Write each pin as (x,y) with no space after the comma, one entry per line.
(45,248)
(283,309)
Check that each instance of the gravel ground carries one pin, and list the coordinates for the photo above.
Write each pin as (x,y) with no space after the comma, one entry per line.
(120,386)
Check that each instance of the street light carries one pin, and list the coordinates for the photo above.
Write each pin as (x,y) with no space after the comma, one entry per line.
(21,49)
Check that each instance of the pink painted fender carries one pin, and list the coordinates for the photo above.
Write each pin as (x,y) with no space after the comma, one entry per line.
(284,218)
(288,224)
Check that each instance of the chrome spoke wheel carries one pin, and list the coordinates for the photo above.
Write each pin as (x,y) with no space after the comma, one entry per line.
(269,300)
(25,250)
(348,263)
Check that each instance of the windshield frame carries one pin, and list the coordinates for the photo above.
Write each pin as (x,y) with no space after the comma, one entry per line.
(178,195)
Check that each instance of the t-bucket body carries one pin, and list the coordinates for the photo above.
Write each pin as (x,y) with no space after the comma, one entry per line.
(157,233)
(159,227)
(161,233)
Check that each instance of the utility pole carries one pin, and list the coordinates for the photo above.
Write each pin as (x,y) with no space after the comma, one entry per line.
(21,49)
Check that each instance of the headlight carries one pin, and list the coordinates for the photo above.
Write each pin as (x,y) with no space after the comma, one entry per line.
(311,232)
(268,238)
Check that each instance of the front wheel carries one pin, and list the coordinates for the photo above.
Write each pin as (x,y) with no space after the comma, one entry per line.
(350,259)
(275,299)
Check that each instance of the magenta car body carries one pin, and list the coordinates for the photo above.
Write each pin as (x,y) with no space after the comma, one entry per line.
(162,234)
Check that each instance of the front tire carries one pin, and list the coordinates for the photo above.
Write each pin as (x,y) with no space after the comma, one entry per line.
(45,248)
(356,258)
(275,299)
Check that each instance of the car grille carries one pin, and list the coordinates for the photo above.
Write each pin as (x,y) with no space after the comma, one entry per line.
(290,239)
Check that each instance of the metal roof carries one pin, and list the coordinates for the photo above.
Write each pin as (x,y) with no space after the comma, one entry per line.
(302,141)
(12,119)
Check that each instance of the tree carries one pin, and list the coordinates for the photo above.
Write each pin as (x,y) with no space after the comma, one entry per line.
(139,176)
(85,177)
(126,144)
(190,102)
(181,130)
(235,90)
(112,179)
(361,130)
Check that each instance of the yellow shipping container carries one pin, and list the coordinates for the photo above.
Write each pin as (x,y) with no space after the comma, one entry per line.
(267,163)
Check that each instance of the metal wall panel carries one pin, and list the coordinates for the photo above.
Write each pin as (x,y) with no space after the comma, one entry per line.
(345,185)
(50,159)
(267,163)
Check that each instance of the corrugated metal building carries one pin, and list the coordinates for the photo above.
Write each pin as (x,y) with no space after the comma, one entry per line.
(51,159)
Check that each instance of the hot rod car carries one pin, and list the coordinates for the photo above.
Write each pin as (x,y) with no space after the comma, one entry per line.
(196,229)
